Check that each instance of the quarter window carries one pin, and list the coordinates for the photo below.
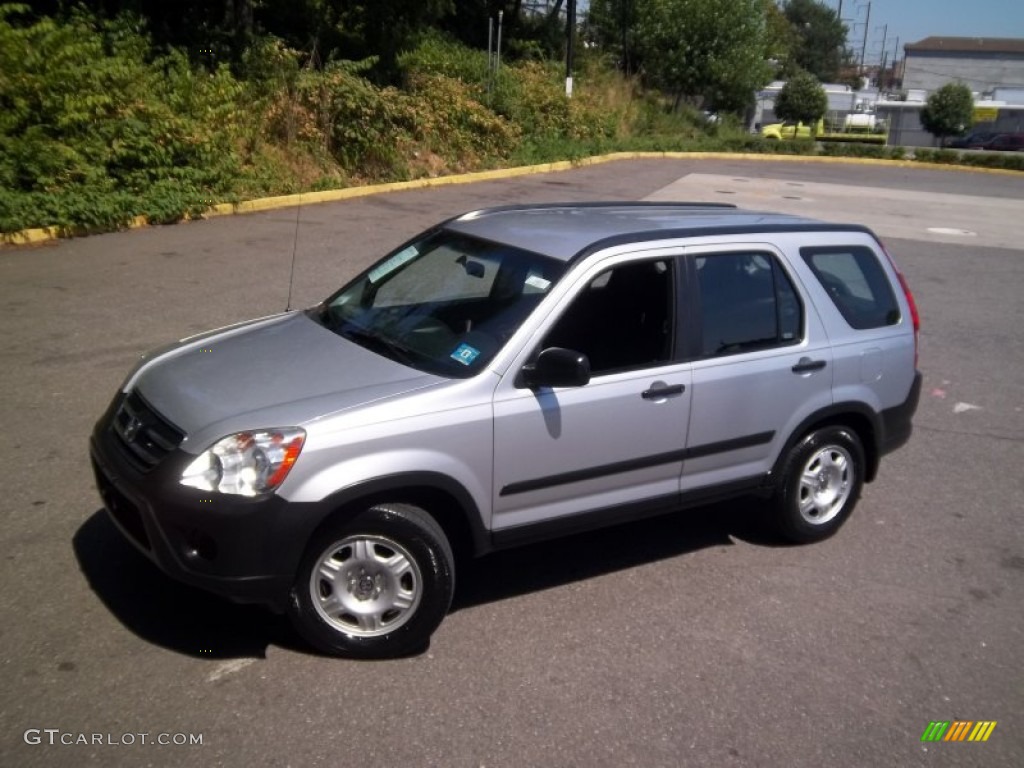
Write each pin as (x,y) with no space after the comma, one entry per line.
(747,302)
(855,281)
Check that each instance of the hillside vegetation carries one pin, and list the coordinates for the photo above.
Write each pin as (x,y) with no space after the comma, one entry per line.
(95,128)
(99,125)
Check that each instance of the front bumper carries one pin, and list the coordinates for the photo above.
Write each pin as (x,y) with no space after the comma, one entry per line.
(245,549)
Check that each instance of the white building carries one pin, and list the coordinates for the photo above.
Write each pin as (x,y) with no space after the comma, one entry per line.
(981,63)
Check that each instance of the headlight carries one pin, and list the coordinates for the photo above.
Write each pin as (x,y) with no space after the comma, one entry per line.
(246,463)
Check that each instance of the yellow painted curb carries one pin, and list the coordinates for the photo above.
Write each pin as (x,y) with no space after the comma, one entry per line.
(46,234)
(333,195)
(31,236)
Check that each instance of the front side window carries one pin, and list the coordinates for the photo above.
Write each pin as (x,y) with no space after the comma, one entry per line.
(857,284)
(445,304)
(623,319)
(747,302)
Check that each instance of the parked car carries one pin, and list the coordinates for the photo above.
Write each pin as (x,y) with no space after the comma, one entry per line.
(975,140)
(790,130)
(1005,142)
(865,129)
(510,375)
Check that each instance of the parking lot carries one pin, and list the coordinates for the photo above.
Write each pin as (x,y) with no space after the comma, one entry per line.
(693,639)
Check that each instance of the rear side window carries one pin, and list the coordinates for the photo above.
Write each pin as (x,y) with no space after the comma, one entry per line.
(747,302)
(856,283)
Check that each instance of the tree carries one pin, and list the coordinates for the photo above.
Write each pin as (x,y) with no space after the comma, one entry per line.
(704,51)
(780,36)
(612,25)
(820,38)
(802,99)
(217,32)
(948,111)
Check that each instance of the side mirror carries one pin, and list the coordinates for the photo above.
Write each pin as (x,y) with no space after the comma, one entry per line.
(556,367)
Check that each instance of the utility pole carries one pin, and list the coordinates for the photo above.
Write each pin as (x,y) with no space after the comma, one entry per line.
(497,47)
(625,36)
(895,59)
(885,34)
(864,45)
(493,51)
(570,31)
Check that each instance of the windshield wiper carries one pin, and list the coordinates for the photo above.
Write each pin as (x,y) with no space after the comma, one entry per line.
(366,338)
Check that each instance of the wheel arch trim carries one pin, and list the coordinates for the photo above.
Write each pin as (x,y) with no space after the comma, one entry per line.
(411,488)
(839,414)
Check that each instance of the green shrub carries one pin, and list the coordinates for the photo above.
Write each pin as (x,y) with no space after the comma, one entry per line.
(438,55)
(443,115)
(853,149)
(945,156)
(993,160)
(978,159)
(653,117)
(90,126)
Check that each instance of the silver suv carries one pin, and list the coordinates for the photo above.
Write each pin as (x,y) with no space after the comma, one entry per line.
(512,374)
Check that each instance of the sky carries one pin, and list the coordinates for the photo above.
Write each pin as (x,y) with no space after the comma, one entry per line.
(914,20)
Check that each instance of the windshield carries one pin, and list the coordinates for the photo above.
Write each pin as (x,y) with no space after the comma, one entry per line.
(445,304)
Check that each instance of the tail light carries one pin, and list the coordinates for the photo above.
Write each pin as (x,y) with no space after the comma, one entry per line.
(914,316)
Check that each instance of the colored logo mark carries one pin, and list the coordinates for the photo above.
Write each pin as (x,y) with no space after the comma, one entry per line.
(958,730)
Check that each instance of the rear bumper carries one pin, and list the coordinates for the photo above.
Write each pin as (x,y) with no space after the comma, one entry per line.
(897,422)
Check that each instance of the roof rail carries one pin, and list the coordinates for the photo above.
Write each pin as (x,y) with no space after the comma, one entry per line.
(590,204)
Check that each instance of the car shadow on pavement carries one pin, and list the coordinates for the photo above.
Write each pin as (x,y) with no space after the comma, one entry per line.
(554,563)
(166,612)
(196,623)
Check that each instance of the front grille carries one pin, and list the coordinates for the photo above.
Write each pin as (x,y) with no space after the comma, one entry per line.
(144,432)
(122,509)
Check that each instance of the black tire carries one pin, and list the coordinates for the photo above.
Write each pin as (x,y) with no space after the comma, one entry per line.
(819,485)
(375,585)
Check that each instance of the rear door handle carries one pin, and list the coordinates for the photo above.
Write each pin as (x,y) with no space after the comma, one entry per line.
(656,393)
(806,365)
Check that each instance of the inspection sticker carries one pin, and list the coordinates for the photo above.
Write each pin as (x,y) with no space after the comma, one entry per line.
(393,263)
(465,354)
(538,282)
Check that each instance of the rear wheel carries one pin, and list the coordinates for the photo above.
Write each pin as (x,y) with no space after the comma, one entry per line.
(376,585)
(820,484)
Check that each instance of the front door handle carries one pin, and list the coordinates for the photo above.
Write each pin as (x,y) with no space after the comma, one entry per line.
(806,365)
(656,393)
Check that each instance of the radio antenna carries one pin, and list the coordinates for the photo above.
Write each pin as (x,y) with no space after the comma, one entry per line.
(314,60)
(295,249)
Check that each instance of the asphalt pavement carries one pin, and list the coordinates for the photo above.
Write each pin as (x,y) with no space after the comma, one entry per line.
(692,639)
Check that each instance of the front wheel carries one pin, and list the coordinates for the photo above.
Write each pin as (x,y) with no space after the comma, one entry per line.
(819,484)
(377,585)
